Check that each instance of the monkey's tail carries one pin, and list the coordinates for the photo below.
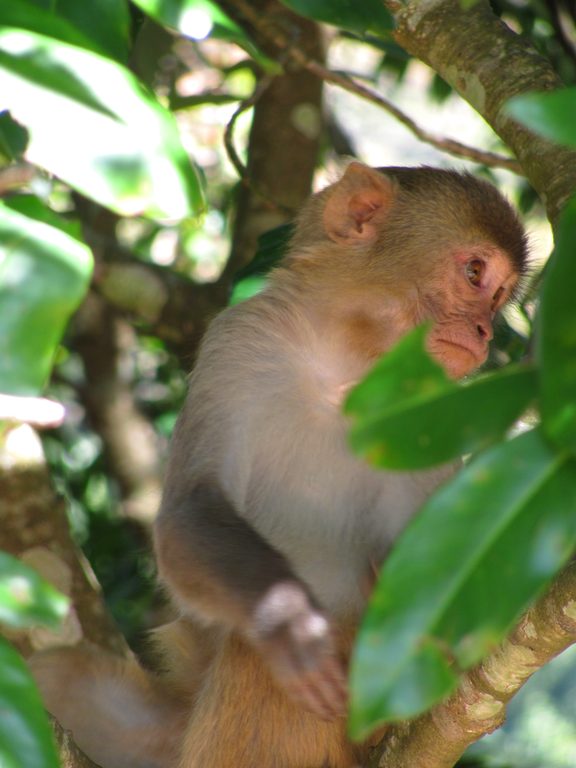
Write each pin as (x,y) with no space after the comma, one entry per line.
(120,715)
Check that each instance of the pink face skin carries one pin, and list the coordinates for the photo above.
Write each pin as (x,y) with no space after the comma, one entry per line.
(463,308)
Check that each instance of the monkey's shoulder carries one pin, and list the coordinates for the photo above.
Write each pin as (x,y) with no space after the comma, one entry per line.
(268,348)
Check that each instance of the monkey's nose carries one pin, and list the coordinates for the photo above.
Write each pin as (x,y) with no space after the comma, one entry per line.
(484,331)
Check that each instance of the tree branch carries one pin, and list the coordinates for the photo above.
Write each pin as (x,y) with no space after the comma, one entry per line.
(293,54)
(439,738)
(35,529)
(488,68)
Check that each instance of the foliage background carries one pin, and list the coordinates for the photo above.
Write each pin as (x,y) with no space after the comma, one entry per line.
(161,262)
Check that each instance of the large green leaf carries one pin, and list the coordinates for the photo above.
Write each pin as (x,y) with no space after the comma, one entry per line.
(25,735)
(199,19)
(557,337)
(44,274)
(550,114)
(407,414)
(106,22)
(26,599)
(95,126)
(35,17)
(360,17)
(477,553)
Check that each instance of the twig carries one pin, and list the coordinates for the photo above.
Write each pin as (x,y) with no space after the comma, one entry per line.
(234,157)
(241,169)
(299,58)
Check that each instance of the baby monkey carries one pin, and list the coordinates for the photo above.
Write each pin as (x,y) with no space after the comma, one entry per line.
(269,528)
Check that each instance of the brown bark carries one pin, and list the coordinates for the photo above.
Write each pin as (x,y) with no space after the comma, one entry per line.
(488,64)
(130,444)
(70,755)
(34,528)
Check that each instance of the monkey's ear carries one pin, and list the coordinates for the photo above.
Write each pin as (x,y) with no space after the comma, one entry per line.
(358,205)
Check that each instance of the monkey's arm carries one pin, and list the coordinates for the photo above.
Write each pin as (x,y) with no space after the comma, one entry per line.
(218,566)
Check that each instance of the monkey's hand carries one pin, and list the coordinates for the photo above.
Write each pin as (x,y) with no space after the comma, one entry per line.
(297,641)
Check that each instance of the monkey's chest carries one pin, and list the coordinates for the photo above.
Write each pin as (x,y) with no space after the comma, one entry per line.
(334,522)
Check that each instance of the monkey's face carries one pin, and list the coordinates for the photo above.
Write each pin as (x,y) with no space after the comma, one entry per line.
(463,308)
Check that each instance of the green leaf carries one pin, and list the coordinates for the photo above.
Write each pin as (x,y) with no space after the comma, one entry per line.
(25,735)
(244,290)
(551,114)
(479,551)
(33,16)
(44,274)
(557,337)
(407,414)
(13,138)
(271,249)
(26,600)
(367,16)
(34,208)
(105,22)
(199,19)
(95,126)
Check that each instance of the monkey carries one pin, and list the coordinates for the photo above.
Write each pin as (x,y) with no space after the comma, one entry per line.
(269,529)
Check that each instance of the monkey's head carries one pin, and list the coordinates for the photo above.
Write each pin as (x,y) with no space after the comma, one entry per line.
(421,244)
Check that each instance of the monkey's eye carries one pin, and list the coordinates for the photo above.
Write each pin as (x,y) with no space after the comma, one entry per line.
(475,271)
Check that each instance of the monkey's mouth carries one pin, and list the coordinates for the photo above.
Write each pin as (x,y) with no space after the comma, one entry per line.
(458,357)
(476,353)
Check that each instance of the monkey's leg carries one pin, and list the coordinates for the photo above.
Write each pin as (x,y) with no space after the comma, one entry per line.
(242,719)
(120,714)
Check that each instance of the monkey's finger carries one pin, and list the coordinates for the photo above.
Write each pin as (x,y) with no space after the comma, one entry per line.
(305,694)
(330,684)
(325,689)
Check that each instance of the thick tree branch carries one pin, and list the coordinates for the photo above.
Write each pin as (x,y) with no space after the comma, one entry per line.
(35,529)
(439,738)
(488,64)
(104,341)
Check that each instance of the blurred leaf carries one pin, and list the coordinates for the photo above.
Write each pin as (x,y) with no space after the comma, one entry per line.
(367,16)
(34,208)
(44,274)
(13,137)
(407,414)
(480,549)
(199,19)
(272,247)
(26,600)
(25,735)
(551,114)
(35,16)
(245,289)
(94,125)
(440,90)
(106,22)
(557,337)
